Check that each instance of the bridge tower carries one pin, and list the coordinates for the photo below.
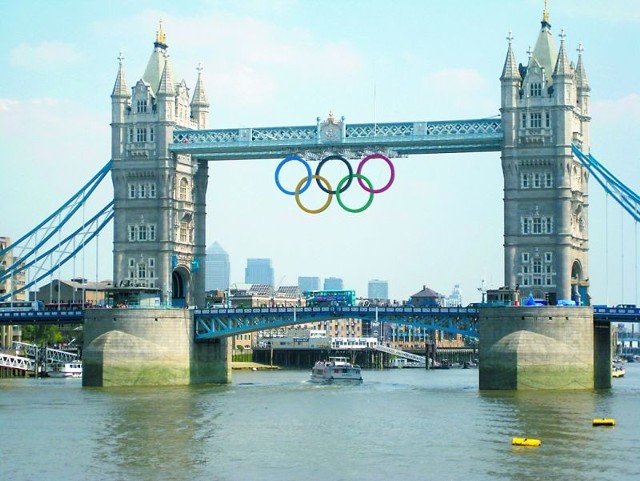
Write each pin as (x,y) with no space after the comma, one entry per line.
(545,108)
(159,222)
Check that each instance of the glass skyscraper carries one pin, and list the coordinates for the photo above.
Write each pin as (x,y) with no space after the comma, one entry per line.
(218,268)
(378,290)
(308,283)
(259,271)
(333,284)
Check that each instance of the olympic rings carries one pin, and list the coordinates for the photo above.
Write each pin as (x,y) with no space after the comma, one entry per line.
(303,162)
(342,186)
(392,176)
(360,178)
(319,179)
(350,176)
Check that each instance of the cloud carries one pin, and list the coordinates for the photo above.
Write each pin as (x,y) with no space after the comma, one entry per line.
(616,109)
(44,56)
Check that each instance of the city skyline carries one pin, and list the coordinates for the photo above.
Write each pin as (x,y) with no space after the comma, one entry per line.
(287,63)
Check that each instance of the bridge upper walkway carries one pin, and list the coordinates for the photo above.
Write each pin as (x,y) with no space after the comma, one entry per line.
(401,138)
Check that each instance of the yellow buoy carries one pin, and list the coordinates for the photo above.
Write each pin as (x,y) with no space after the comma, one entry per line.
(604,422)
(526,442)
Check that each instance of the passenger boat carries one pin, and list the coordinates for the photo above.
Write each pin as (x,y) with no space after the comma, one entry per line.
(65,369)
(336,369)
(617,371)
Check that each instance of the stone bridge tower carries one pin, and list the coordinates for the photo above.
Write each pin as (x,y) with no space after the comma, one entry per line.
(159,223)
(545,109)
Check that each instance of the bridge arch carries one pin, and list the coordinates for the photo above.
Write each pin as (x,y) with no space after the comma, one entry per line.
(180,285)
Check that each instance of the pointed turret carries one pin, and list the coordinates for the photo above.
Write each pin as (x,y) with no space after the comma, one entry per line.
(581,74)
(155,66)
(545,50)
(120,89)
(120,104)
(166,86)
(562,67)
(200,103)
(510,70)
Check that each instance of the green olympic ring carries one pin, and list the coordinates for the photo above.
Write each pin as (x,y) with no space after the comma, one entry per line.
(349,178)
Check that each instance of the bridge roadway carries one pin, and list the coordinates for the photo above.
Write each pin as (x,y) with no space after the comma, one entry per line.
(218,323)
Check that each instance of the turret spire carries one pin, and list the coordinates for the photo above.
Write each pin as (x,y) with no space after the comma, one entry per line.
(562,64)
(510,69)
(120,88)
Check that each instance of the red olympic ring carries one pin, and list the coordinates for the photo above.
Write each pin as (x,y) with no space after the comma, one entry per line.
(391,177)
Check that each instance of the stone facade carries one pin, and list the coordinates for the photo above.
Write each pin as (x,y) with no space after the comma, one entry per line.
(153,347)
(159,197)
(529,348)
(545,109)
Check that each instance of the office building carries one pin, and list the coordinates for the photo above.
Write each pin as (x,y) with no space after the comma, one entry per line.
(259,271)
(378,290)
(308,283)
(333,284)
(218,268)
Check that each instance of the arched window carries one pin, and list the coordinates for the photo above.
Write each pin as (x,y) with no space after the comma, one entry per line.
(184,186)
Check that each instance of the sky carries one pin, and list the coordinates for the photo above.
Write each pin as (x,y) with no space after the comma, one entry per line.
(287,62)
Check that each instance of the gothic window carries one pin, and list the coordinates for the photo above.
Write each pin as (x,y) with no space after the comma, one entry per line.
(548,180)
(142,190)
(537,225)
(142,270)
(152,135)
(547,119)
(152,262)
(184,229)
(535,120)
(132,191)
(536,181)
(130,135)
(548,256)
(523,121)
(141,135)
(535,89)
(525,257)
(524,180)
(184,185)
(151,232)
(141,106)
(142,233)
(152,190)
(133,230)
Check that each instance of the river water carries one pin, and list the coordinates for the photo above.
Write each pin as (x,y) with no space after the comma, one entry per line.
(406,424)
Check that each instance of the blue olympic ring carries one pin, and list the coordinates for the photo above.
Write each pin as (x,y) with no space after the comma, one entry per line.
(325,186)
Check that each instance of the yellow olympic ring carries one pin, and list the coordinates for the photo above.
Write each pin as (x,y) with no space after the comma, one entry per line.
(329,196)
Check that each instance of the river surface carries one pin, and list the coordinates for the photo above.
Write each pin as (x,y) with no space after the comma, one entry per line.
(406,424)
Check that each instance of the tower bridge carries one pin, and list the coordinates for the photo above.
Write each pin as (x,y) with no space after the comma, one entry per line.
(161,149)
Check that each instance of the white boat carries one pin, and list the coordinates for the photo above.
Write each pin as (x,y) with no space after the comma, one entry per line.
(336,369)
(617,371)
(65,369)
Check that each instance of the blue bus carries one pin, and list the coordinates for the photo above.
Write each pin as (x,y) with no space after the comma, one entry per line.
(330,298)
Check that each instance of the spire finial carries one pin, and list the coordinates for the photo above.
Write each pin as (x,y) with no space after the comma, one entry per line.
(545,12)
(121,57)
(562,35)
(160,35)
(510,37)
(161,38)
(199,68)
(580,49)
(530,52)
